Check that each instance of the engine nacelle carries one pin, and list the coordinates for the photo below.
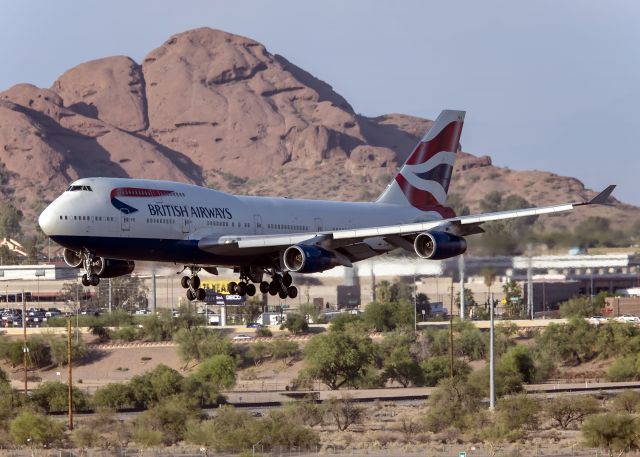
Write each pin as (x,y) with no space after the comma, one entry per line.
(111,268)
(308,259)
(72,258)
(439,245)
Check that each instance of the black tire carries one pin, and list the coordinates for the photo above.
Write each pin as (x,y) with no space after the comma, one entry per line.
(185,282)
(251,290)
(287,279)
(241,289)
(231,287)
(282,294)
(292,291)
(85,280)
(201,294)
(273,289)
(195,282)
(264,287)
(191,295)
(95,280)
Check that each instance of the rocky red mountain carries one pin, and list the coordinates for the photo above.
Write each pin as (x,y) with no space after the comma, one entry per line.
(217,109)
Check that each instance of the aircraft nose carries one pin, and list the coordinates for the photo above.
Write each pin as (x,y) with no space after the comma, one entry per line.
(47,220)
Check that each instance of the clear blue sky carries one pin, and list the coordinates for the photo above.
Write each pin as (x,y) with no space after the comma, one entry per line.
(550,85)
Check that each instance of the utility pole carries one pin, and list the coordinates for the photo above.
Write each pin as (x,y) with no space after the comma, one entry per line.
(110,295)
(461,273)
(492,381)
(25,348)
(153,297)
(451,333)
(415,304)
(69,361)
(529,281)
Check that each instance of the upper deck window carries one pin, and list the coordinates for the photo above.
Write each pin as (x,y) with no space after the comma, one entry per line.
(75,188)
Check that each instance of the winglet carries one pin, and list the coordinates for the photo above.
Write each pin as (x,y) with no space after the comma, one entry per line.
(602,197)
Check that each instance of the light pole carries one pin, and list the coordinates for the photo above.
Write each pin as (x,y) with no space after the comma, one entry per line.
(492,384)
(415,303)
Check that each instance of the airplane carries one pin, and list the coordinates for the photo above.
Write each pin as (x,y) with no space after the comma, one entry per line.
(106,224)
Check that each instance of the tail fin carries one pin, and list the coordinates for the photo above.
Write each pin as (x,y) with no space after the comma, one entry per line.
(423,181)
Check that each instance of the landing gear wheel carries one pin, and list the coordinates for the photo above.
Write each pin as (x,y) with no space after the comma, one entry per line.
(231,287)
(85,280)
(241,288)
(251,290)
(94,280)
(292,291)
(185,282)
(191,295)
(264,287)
(273,289)
(201,294)
(195,282)
(287,279)
(282,294)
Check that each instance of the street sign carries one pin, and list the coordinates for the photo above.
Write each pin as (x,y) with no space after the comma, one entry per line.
(462,454)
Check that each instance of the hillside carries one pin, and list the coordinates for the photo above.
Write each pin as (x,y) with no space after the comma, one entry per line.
(216,109)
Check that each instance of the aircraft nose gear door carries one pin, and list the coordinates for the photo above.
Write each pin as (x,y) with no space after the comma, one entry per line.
(126,222)
(257,224)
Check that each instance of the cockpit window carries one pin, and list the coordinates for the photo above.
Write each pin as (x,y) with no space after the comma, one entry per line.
(75,188)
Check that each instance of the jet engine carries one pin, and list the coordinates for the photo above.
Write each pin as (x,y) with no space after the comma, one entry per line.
(72,258)
(111,268)
(439,245)
(308,259)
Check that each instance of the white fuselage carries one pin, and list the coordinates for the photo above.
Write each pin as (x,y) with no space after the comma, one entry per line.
(162,220)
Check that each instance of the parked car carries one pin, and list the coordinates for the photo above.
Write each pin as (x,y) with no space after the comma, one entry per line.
(597,320)
(628,318)
(254,325)
(241,337)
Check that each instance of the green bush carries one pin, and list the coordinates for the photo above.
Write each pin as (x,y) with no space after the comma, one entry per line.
(566,410)
(435,369)
(213,375)
(169,417)
(623,369)
(151,387)
(452,404)
(345,321)
(114,396)
(263,332)
(53,397)
(611,431)
(295,323)
(627,401)
(30,428)
(384,317)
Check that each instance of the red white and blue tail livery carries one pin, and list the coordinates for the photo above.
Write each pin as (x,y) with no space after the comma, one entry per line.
(105,224)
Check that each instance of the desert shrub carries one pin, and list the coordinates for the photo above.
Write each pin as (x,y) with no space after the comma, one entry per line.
(623,369)
(345,321)
(284,350)
(258,352)
(399,362)
(213,375)
(384,317)
(451,404)
(280,429)
(126,333)
(435,369)
(230,430)
(263,332)
(572,343)
(611,431)
(344,412)
(169,417)
(566,410)
(616,339)
(154,385)
(29,428)
(53,396)
(627,401)
(114,396)
(519,412)
(296,323)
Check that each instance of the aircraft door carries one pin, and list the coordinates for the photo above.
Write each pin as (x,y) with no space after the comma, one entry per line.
(186,225)
(257,224)
(318,224)
(126,222)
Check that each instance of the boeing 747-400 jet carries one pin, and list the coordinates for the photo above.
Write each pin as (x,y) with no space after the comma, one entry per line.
(105,224)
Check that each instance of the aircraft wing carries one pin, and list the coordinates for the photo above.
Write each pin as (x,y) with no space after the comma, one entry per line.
(393,234)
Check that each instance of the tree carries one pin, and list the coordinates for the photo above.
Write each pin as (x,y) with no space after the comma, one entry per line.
(566,410)
(53,396)
(451,404)
(114,396)
(489,276)
(10,219)
(296,323)
(611,431)
(167,420)
(199,343)
(435,369)
(469,301)
(153,386)
(399,363)
(212,376)
(384,317)
(284,350)
(58,348)
(580,307)
(346,321)
(230,430)
(344,412)
(338,358)
(513,294)
(519,411)
(29,428)
(258,352)
(573,342)
(627,401)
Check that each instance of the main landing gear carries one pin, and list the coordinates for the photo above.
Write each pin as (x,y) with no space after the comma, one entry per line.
(192,284)
(280,285)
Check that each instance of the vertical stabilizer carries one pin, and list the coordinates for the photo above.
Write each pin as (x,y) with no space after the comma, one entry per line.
(423,181)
